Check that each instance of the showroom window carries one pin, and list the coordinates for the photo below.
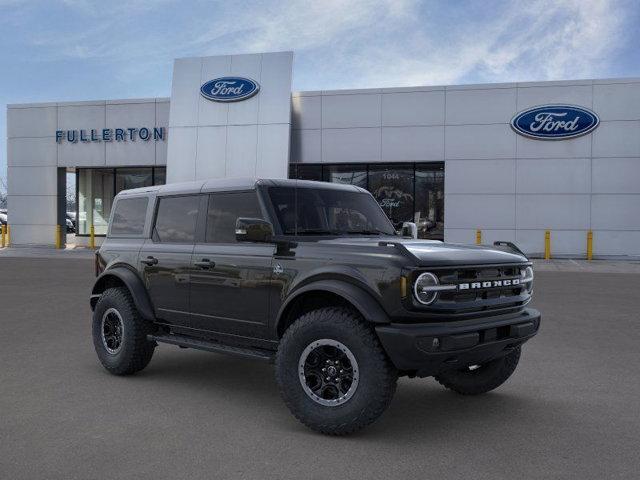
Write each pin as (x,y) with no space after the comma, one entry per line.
(97,187)
(407,192)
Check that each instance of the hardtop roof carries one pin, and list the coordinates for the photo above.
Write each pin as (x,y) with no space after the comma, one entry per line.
(232,184)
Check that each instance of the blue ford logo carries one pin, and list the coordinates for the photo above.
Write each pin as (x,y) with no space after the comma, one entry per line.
(229,89)
(555,122)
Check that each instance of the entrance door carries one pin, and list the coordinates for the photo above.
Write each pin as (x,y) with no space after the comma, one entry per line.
(166,258)
(429,209)
(230,281)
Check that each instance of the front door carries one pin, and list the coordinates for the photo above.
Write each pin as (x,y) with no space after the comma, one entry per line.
(230,281)
(165,260)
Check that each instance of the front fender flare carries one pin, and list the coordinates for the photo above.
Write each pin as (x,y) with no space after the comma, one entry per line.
(364,302)
(133,282)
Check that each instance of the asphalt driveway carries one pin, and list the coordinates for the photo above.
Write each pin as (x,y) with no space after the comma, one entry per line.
(571,410)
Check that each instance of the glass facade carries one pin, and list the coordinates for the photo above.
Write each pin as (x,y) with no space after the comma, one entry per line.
(97,187)
(407,192)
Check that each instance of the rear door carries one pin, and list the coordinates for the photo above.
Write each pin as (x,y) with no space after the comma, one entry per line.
(165,259)
(230,280)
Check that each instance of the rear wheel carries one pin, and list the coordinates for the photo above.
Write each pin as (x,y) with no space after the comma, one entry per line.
(332,372)
(120,333)
(477,379)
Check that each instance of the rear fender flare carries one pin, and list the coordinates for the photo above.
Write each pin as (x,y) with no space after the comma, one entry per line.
(133,283)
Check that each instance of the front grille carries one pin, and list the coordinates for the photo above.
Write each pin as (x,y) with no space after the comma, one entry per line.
(480,299)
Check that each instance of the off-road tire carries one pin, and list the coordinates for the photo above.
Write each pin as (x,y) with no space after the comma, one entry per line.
(136,350)
(377,376)
(482,380)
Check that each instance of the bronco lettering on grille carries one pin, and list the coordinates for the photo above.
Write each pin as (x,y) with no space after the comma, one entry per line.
(510,282)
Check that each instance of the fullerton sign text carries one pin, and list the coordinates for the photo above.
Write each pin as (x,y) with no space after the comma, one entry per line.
(111,135)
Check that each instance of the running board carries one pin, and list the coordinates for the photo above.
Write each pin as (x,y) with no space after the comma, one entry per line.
(211,346)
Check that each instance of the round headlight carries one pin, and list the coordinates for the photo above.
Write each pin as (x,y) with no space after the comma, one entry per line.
(526,277)
(422,290)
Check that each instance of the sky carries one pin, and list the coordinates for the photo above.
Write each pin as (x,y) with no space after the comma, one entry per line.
(87,50)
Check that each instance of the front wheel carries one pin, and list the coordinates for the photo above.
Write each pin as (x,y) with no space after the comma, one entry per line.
(477,379)
(332,372)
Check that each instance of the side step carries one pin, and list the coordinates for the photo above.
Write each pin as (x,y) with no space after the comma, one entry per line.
(211,346)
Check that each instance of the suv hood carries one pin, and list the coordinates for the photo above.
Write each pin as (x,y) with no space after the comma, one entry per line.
(435,253)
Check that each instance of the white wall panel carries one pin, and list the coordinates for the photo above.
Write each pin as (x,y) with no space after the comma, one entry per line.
(617,139)
(32,210)
(606,242)
(480,176)
(32,151)
(241,150)
(246,111)
(125,115)
(182,148)
(212,145)
(479,211)
(617,102)
(82,117)
(185,92)
(275,81)
(544,94)
(412,108)
(558,175)
(162,120)
(412,144)
(351,145)
(81,154)
(468,235)
(41,235)
(273,146)
(574,148)
(563,242)
(137,152)
(306,112)
(615,212)
(32,122)
(495,105)
(566,212)
(306,146)
(208,112)
(32,180)
(346,111)
(479,142)
(616,175)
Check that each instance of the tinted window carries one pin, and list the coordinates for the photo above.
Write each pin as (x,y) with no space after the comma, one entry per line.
(176,219)
(224,210)
(315,211)
(349,174)
(129,215)
(392,186)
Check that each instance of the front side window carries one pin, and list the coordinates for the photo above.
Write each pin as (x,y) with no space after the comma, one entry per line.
(316,211)
(129,216)
(224,209)
(176,219)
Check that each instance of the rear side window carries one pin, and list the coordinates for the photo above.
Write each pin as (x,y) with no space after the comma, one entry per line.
(176,219)
(129,216)
(224,209)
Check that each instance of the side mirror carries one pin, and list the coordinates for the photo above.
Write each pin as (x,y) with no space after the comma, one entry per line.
(253,230)
(409,229)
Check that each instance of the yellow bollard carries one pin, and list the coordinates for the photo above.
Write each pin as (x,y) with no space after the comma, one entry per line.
(92,237)
(478,237)
(58,237)
(547,244)
(4,235)
(8,235)
(589,245)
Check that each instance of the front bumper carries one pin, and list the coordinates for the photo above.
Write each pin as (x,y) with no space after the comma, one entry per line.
(429,348)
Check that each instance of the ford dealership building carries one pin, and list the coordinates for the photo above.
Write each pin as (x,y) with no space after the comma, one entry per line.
(512,160)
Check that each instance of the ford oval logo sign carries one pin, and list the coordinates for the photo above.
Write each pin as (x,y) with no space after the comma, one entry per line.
(555,122)
(229,89)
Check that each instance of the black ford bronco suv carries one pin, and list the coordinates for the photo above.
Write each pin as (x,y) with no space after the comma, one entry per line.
(312,277)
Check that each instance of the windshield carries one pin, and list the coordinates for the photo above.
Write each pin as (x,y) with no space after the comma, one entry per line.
(318,211)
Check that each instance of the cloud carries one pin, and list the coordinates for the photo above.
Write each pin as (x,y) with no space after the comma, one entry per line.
(361,43)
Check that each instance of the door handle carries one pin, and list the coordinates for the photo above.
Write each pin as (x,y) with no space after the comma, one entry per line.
(149,260)
(205,263)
